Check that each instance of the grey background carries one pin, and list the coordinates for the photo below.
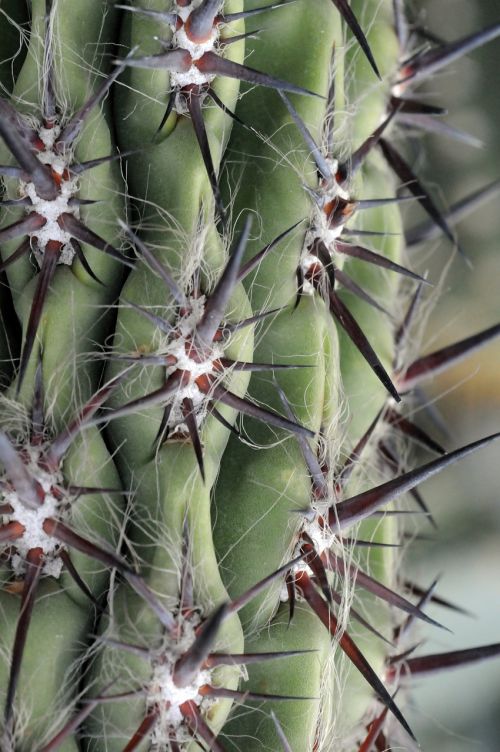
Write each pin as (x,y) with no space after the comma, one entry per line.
(460,711)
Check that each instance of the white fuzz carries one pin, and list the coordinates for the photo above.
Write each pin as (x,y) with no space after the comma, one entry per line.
(190,391)
(192,76)
(189,322)
(321,231)
(52,210)
(335,190)
(32,520)
(320,228)
(321,535)
(178,348)
(181,41)
(169,698)
(306,263)
(195,49)
(184,11)
(165,695)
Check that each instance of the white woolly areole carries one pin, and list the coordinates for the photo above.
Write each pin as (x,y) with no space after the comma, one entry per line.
(305,264)
(181,41)
(177,348)
(32,520)
(398,89)
(192,76)
(168,698)
(321,224)
(164,695)
(321,230)
(52,210)
(188,323)
(184,11)
(195,49)
(49,136)
(335,190)
(321,536)
(328,234)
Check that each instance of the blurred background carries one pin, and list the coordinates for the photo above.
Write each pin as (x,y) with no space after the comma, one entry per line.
(459,711)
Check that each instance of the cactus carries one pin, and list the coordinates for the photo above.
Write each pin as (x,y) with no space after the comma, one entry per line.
(207,372)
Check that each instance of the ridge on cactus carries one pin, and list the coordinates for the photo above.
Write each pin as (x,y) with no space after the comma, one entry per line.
(192,352)
(203,475)
(48,188)
(194,58)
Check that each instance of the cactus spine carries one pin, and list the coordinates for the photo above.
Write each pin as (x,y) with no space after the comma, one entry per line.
(207,370)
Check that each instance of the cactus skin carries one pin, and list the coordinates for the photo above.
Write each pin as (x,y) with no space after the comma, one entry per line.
(197,405)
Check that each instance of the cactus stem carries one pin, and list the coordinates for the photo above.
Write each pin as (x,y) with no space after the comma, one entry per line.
(79,581)
(281,734)
(34,561)
(347,14)
(320,607)
(347,321)
(71,726)
(49,261)
(193,104)
(364,580)
(222,659)
(349,168)
(193,64)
